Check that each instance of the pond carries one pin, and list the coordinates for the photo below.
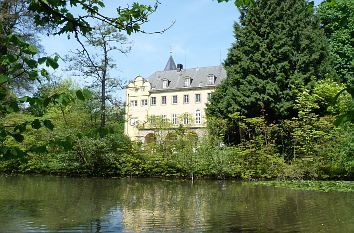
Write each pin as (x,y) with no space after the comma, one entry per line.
(57,204)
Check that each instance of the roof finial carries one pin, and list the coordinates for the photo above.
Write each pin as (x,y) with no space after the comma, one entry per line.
(171,65)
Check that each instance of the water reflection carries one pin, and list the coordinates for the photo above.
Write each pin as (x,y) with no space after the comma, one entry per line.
(54,204)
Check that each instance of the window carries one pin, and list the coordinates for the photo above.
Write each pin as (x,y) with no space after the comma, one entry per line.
(197,98)
(164,83)
(142,88)
(174,119)
(163,100)
(133,121)
(185,119)
(186,99)
(134,103)
(187,82)
(164,118)
(198,117)
(211,79)
(153,101)
(144,102)
(152,120)
(209,96)
(174,99)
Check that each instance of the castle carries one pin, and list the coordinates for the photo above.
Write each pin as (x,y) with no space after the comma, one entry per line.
(173,97)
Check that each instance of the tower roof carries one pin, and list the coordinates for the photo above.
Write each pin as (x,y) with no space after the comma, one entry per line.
(199,78)
(171,65)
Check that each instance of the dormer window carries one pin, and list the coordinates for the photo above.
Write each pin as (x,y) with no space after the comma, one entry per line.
(164,83)
(187,82)
(211,79)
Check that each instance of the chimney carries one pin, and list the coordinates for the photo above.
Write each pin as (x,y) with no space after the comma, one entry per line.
(179,67)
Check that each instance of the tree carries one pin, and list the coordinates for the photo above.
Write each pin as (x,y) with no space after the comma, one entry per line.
(16,19)
(279,50)
(240,3)
(106,39)
(337,20)
(77,17)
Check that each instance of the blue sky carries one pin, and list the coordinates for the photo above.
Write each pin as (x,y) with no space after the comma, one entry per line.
(201,36)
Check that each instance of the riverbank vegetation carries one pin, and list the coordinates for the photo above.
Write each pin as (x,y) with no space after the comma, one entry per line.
(323,186)
(285,111)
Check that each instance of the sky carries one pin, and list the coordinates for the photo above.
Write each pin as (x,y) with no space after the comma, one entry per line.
(201,36)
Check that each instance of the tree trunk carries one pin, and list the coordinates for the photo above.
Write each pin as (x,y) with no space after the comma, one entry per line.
(103,86)
(103,100)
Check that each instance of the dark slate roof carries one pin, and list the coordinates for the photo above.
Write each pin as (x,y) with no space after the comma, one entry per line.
(171,65)
(199,78)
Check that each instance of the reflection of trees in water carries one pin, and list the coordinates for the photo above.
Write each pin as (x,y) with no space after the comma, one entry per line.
(57,202)
(157,205)
(266,209)
(98,225)
(213,206)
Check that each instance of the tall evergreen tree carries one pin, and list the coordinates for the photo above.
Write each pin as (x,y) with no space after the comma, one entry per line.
(279,50)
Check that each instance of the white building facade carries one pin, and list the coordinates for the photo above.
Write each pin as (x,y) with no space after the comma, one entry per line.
(174,97)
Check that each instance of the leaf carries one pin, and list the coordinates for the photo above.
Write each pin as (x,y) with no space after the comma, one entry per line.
(32,49)
(101,4)
(31,63)
(36,124)
(33,75)
(80,95)
(4,78)
(11,58)
(41,60)
(45,73)
(48,124)
(14,39)
(52,62)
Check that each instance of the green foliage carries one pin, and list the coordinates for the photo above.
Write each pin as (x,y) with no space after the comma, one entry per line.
(18,58)
(337,154)
(76,146)
(348,114)
(337,20)
(77,16)
(276,55)
(240,3)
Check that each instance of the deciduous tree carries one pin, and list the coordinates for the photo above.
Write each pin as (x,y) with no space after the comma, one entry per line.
(337,20)
(105,39)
